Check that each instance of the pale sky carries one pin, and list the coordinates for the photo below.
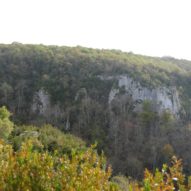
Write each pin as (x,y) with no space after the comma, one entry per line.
(150,27)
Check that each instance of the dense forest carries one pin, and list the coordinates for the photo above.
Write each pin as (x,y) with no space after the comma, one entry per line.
(45,87)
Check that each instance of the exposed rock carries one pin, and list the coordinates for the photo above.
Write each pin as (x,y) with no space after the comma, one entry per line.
(162,97)
(41,102)
(52,112)
(42,105)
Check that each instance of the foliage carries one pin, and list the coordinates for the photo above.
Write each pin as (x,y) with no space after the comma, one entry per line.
(6,126)
(168,179)
(30,170)
(44,158)
(122,182)
(62,71)
(50,137)
(73,79)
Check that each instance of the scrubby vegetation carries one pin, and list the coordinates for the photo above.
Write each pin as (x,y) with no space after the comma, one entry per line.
(168,179)
(34,159)
(51,138)
(28,169)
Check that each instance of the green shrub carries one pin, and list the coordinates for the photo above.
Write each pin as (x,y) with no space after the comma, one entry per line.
(51,138)
(6,126)
(28,169)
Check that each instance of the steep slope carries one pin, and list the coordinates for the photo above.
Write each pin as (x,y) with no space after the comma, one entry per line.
(132,105)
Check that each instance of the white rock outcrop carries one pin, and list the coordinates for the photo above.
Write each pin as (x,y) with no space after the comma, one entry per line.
(163,98)
(41,102)
(42,105)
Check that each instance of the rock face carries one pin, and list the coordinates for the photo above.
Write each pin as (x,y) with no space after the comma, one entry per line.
(42,105)
(126,90)
(41,102)
(162,98)
(51,112)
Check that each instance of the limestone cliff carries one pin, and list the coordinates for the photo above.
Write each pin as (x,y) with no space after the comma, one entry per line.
(163,98)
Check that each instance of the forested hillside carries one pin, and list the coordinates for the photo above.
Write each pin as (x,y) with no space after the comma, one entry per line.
(136,108)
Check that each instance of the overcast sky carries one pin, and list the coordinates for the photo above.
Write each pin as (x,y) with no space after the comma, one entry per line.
(150,27)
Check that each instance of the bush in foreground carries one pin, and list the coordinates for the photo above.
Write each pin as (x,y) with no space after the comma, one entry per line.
(28,169)
(170,178)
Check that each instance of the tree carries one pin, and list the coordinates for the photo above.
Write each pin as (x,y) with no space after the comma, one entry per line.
(6,91)
(6,126)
